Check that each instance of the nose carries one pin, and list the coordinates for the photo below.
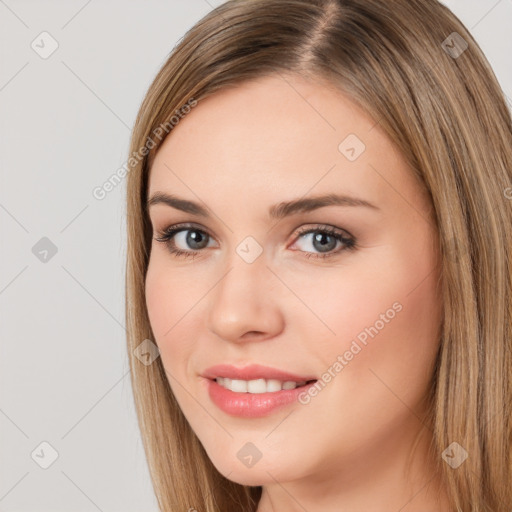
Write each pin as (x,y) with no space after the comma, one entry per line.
(244,304)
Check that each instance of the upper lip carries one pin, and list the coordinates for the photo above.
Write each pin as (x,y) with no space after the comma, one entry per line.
(253,372)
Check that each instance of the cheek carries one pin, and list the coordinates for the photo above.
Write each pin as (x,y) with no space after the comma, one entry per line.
(383,317)
(159,301)
(385,325)
(169,302)
(170,306)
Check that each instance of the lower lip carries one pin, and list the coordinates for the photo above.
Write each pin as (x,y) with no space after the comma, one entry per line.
(252,405)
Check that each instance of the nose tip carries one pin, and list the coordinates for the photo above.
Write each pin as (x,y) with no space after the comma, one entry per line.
(243,306)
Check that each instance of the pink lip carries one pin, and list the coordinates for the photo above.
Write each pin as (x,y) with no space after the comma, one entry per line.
(252,405)
(252,372)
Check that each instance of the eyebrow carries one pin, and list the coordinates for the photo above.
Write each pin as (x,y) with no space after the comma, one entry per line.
(277,211)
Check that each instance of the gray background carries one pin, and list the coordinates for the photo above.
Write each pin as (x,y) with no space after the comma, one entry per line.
(65,127)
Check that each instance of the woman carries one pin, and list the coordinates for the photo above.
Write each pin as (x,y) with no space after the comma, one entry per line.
(319,263)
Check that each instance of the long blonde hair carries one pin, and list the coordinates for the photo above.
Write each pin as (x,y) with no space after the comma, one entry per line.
(435,95)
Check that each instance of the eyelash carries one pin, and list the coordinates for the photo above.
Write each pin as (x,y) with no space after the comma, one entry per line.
(166,236)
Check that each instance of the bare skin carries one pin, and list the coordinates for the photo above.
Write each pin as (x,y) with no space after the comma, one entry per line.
(239,152)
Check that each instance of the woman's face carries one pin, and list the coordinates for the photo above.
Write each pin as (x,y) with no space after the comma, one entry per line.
(253,287)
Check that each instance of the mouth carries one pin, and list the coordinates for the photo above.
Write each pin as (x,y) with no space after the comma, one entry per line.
(260,386)
(254,372)
(255,398)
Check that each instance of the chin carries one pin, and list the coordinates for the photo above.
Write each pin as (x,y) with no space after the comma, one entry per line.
(248,477)
(236,472)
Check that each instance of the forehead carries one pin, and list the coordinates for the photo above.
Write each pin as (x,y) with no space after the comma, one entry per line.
(277,138)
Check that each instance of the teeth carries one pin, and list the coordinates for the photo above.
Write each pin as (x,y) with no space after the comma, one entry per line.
(257,385)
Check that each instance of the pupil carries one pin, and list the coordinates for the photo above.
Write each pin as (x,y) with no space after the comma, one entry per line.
(320,237)
(192,238)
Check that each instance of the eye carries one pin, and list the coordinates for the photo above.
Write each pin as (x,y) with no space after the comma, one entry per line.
(325,240)
(184,235)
